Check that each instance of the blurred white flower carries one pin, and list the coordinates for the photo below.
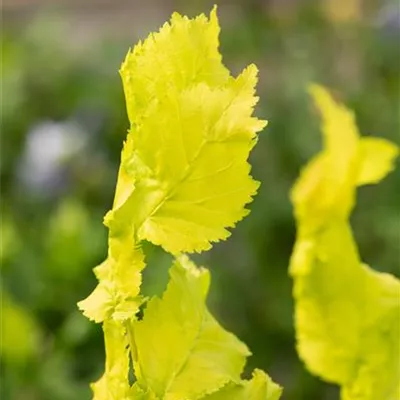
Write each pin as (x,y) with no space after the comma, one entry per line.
(48,146)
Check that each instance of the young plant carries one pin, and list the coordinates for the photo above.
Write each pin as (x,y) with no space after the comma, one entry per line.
(183,181)
(347,315)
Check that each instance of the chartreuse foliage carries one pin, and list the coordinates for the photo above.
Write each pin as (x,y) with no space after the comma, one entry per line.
(183,180)
(347,315)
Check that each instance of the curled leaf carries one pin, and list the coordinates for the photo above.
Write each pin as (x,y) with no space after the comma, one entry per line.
(346,314)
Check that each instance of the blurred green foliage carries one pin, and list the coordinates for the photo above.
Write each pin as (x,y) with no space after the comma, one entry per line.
(63,123)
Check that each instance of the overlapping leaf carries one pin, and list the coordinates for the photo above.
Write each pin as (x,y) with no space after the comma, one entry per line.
(184,174)
(182,352)
(117,294)
(183,180)
(114,384)
(260,387)
(347,315)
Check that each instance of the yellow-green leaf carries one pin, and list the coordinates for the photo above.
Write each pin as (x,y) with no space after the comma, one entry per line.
(377,371)
(184,176)
(183,53)
(117,293)
(347,316)
(339,170)
(377,159)
(182,352)
(183,181)
(137,393)
(259,387)
(114,384)
(99,304)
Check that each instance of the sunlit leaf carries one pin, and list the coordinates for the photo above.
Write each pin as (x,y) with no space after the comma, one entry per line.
(183,181)
(182,352)
(260,387)
(114,385)
(184,176)
(347,316)
(117,293)
(378,157)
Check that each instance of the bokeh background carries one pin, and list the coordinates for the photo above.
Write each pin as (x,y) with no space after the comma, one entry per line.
(63,123)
